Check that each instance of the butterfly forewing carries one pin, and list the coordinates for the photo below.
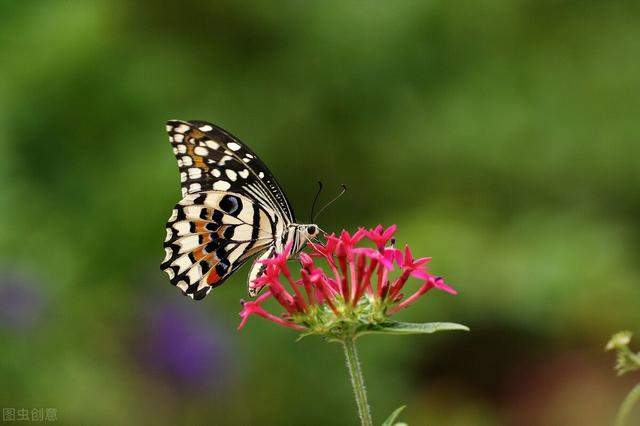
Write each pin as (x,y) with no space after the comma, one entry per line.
(210,158)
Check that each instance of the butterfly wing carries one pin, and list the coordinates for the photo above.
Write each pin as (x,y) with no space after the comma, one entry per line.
(233,208)
(209,236)
(210,158)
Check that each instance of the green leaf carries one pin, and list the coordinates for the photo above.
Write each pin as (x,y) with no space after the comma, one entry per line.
(414,328)
(392,417)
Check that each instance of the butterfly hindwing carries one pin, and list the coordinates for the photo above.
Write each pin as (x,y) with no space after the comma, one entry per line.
(210,235)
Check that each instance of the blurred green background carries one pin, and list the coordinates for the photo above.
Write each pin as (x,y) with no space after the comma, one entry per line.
(502,138)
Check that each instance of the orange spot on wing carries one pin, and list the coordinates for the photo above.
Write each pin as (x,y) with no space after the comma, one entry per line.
(197,160)
(196,134)
(200,228)
(198,254)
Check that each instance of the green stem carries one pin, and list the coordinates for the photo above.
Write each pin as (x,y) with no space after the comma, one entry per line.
(357,380)
(627,405)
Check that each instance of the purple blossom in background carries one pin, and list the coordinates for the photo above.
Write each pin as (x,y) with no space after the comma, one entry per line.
(21,305)
(184,348)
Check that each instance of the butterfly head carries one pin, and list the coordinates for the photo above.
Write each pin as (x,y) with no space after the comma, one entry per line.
(299,235)
(308,231)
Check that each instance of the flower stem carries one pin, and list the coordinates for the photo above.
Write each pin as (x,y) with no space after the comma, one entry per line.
(357,380)
(627,405)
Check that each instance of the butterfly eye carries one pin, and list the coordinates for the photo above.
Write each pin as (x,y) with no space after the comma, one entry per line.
(311,229)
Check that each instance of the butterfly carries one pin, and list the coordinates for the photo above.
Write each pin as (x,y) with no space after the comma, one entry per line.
(232,210)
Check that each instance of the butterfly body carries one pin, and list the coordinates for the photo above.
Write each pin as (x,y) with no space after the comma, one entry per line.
(232,210)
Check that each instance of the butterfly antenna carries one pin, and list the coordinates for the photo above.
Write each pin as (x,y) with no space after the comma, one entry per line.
(340,194)
(315,200)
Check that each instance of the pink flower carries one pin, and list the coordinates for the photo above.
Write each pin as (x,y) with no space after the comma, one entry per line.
(319,300)
(327,249)
(408,261)
(380,256)
(380,236)
(253,308)
(280,259)
(351,240)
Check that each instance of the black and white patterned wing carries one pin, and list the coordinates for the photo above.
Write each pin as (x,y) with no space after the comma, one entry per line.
(210,158)
(210,235)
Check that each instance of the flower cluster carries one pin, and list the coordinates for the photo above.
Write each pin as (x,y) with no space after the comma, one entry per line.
(353,294)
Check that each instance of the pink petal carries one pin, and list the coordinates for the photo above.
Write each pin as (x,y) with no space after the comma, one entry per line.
(440,284)
(390,231)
